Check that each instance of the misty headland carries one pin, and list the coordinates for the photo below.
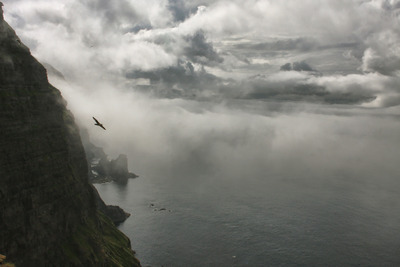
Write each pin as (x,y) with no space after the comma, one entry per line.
(270,130)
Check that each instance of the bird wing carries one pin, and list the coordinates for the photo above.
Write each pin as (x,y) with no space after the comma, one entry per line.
(96,120)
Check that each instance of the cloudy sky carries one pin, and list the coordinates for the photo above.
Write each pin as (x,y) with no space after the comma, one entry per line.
(180,81)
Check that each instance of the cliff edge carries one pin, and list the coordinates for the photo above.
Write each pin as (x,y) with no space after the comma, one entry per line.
(48,214)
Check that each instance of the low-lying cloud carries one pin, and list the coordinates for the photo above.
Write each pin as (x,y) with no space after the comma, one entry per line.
(239,139)
(286,88)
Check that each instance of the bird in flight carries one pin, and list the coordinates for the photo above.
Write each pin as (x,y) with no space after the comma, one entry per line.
(98,123)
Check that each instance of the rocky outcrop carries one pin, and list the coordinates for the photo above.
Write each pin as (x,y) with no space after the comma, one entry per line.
(117,169)
(101,169)
(115,213)
(48,214)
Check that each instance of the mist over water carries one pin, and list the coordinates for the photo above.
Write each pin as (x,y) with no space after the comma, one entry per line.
(250,182)
(270,184)
(260,221)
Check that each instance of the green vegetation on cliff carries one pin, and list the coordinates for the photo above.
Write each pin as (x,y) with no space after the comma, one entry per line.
(112,245)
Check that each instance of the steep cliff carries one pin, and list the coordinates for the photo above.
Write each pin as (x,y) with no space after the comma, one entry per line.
(48,213)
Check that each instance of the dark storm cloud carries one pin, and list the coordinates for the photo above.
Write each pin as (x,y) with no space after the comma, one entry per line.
(199,50)
(184,81)
(349,45)
(284,47)
(300,44)
(179,10)
(295,91)
(389,5)
(382,54)
(378,61)
(181,80)
(286,67)
(297,66)
(140,26)
(311,94)
(393,99)
(183,73)
(386,66)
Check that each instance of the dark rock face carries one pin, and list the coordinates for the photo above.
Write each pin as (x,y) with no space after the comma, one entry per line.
(48,214)
(1,11)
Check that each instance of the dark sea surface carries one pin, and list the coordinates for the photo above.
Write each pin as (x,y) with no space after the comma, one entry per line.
(200,220)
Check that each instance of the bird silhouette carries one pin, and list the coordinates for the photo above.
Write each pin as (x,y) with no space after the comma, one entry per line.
(98,123)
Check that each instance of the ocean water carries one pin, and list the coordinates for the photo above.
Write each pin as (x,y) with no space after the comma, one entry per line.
(210,220)
(262,184)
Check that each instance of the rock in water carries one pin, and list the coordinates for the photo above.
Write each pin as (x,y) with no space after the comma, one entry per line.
(48,214)
(115,213)
(100,168)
